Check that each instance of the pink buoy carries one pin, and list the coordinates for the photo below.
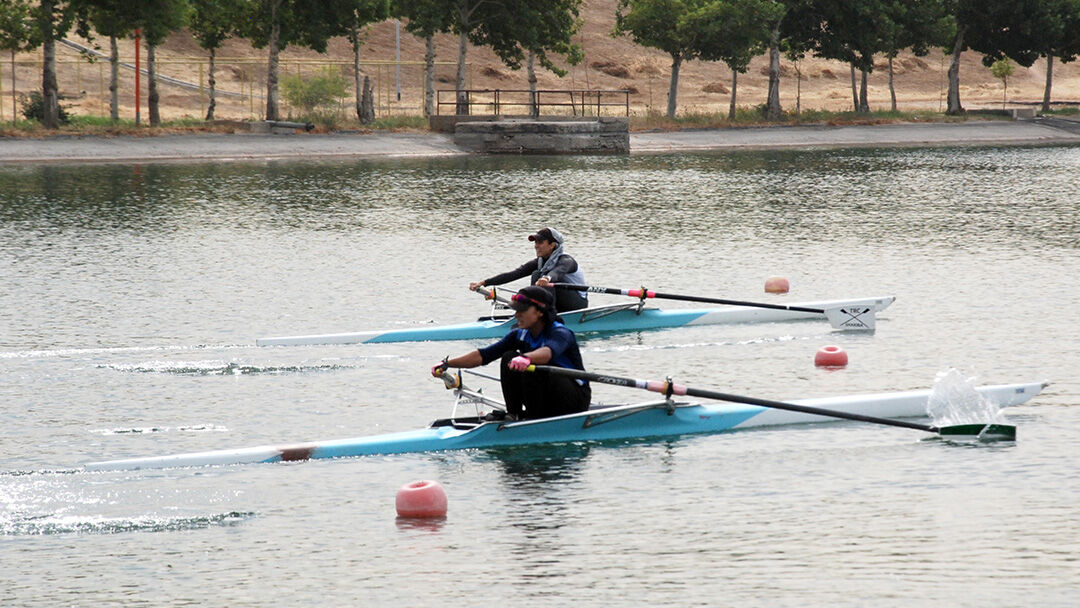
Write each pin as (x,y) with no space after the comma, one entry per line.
(830,356)
(776,285)
(421,499)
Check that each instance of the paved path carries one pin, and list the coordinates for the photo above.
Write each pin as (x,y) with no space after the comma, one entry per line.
(866,136)
(223,147)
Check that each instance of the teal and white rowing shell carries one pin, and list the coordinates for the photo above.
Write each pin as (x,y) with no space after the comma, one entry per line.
(637,421)
(601,319)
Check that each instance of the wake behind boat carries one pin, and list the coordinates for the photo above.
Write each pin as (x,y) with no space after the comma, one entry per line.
(654,419)
(613,318)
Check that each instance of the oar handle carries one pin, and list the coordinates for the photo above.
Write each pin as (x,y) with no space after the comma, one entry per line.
(490,294)
(670,388)
(645,293)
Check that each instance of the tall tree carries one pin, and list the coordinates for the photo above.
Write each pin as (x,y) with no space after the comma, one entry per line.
(851,32)
(1065,45)
(1021,30)
(277,24)
(157,19)
(18,32)
(358,14)
(914,24)
(661,24)
(512,28)
(548,26)
(115,19)
(425,19)
(212,22)
(54,20)
(734,31)
(794,29)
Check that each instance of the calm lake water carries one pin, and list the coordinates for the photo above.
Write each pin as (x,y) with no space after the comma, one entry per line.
(133,295)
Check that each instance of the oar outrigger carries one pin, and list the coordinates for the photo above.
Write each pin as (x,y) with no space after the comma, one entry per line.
(982,431)
(840,317)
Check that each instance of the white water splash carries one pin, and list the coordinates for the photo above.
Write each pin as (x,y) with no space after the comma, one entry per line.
(954,400)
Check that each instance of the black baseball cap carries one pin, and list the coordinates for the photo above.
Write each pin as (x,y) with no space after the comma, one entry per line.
(532,296)
(547,234)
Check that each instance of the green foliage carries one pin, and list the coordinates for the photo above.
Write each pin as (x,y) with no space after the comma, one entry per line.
(213,21)
(33,108)
(1002,69)
(314,92)
(18,31)
(732,31)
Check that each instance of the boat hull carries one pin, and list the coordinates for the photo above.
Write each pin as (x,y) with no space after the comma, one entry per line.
(603,319)
(622,422)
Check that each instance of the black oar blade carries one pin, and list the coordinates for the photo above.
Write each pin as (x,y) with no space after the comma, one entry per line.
(980,431)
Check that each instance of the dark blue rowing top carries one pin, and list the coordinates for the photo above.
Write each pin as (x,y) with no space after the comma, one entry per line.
(557,337)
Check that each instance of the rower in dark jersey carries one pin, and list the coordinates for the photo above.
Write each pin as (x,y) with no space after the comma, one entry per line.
(539,339)
(552,265)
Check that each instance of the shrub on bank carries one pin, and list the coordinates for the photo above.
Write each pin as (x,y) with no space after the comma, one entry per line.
(33,108)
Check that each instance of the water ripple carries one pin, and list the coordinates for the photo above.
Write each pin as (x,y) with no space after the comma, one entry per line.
(43,525)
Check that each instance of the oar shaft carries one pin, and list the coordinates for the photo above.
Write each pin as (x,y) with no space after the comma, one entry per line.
(645,293)
(678,389)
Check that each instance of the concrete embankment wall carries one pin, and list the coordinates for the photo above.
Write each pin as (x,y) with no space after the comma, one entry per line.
(577,135)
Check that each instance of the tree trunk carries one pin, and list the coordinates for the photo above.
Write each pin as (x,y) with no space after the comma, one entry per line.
(272,65)
(1049,82)
(429,76)
(14,114)
(367,109)
(864,101)
(954,106)
(530,68)
(854,89)
(734,88)
(673,88)
(892,89)
(798,90)
(358,79)
(114,80)
(772,107)
(50,118)
(462,96)
(213,88)
(152,96)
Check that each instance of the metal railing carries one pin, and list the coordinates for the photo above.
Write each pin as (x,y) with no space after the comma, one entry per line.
(558,102)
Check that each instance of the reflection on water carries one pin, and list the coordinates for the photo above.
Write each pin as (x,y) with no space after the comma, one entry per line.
(962,200)
(533,470)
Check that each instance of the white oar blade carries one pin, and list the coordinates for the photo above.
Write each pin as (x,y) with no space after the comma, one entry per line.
(857,318)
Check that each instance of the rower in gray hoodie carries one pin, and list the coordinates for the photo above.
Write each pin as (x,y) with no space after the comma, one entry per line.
(552,265)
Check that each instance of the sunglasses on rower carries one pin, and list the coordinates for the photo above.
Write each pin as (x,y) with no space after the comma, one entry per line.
(517,297)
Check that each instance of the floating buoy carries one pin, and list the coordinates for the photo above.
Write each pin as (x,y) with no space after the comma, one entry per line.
(776,285)
(421,499)
(830,356)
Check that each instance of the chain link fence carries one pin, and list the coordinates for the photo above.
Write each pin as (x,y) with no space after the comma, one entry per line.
(184,89)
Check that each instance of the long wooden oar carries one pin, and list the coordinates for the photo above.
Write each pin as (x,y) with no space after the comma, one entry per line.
(983,431)
(846,317)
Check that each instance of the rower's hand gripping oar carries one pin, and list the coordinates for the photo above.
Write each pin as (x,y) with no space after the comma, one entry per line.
(846,317)
(983,431)
(490,294)
(451,380)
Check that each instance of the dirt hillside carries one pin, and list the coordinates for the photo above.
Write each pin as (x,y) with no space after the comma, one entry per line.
(610,63)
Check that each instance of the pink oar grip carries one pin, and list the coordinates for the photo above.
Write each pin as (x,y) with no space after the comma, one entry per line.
(662,388)
(636,293)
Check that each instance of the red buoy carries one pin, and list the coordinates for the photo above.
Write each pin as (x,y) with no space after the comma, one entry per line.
(421,499)
(776,285)
(830,356)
